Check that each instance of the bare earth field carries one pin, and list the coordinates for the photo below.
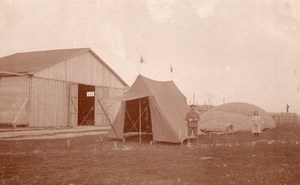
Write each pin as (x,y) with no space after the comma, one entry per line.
(272,158)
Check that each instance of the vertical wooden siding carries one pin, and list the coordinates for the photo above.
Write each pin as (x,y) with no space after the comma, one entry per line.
(55,100)
(114,109)
(111,108)
(73,105)
(100,118)
(14,92)
(285,118)
(83,69)
(49,103)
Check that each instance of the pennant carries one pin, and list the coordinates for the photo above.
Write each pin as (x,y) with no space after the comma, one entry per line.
(141,60)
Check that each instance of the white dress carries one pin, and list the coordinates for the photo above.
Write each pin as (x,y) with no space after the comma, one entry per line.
(256,124)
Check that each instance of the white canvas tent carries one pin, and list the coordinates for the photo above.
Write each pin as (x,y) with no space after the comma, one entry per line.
(154,107)
(237,114)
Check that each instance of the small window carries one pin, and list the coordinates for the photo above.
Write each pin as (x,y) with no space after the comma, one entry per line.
(90,94)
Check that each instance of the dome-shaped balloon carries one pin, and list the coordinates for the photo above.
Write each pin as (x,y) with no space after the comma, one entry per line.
(237,114)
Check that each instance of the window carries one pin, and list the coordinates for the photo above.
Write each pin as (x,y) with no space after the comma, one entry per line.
(90,94)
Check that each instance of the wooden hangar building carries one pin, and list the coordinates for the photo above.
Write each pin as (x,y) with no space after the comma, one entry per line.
(57,88)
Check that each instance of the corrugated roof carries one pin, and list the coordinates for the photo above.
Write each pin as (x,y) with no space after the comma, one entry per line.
(31,62)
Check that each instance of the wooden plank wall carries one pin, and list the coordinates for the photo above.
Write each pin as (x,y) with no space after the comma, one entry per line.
(102,96)
(14,91)
(82,69)
(54,97)
(285,118)
(73,105)
(114,109)
(49,103)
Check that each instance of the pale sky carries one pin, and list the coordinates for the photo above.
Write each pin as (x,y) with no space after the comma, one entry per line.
(240,51)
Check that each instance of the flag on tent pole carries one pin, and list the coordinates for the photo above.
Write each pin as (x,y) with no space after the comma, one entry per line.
(141,62)
(171,70)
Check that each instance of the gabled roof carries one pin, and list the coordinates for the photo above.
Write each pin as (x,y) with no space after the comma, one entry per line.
(143,87)
(31,62)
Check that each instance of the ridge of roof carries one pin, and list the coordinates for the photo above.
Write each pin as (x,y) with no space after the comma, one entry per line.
(158,81)
(51,50)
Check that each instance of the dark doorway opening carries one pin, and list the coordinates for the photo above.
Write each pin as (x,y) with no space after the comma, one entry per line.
(86,103)
(135,109)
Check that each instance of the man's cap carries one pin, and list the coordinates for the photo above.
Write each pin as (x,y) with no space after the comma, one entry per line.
(192,105)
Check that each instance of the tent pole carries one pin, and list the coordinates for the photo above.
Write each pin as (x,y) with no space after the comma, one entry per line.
(140,120)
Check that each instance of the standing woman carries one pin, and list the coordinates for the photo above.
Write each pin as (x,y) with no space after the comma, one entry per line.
(256,124)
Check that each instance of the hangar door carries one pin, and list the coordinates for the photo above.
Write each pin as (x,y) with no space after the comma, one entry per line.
(86,104)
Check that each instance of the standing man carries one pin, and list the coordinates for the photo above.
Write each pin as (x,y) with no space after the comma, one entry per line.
(192,118)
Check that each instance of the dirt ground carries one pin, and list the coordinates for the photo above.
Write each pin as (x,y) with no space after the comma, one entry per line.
(272,158)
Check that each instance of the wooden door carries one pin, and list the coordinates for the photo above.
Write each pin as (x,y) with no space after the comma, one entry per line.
(86,105)
(73,105)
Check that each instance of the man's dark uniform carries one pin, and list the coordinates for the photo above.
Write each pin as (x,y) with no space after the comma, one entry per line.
(192,118)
